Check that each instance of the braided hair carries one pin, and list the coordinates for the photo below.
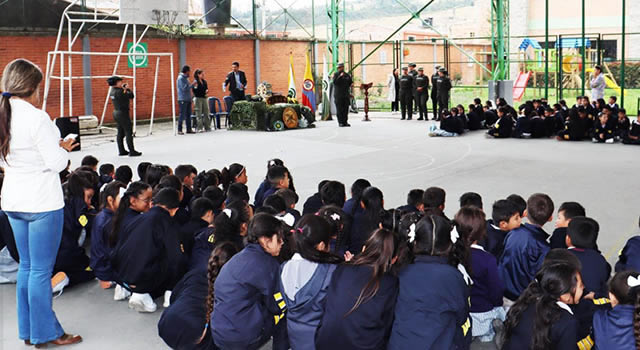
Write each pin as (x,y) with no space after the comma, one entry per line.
(220,255)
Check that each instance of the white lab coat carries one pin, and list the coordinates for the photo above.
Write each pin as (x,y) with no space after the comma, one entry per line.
(391,84)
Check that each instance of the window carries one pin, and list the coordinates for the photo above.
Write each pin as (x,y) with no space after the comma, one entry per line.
(411,37)
(383,57)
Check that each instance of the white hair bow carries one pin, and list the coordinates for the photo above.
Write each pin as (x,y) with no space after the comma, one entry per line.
(335,216)
(288,219)
(227,212)
(465,275)
(454,235)
(633,281)
(412,233)
(122,191)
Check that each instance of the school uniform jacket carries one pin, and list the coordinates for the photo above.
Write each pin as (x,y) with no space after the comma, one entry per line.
(148,253)
(183,323)
(452,124)
(100,250)
(613,329)
(76,219)
(524,251)
(304,286)
(629,258)
(558,238)
(312,205)
(188,232)
(6,237)
(408,209)
(603,129)
(259,197)
(487,289)
(432,311)
(494,243)
(361,229)
(367,327)
(595,271)
(503,127)
(246,298)
(563,333)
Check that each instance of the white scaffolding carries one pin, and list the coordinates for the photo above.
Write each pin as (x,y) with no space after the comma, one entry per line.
(66,76)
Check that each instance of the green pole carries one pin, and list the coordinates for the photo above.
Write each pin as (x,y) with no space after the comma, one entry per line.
(624,3)
(335,54)
(253,15)
(584,50)
(500,24)
(493,38)
(546,49)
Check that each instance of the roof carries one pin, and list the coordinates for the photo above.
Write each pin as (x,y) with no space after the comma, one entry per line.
(572,43)
(529,42)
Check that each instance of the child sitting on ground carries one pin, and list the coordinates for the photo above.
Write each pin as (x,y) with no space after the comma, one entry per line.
(602,131)
(278,177)
(629,257)
(633,137)
(526,247)
(450,126)
(623,124)
(414,202)
(566,212)
(582,235)
(503,128)
(504,218)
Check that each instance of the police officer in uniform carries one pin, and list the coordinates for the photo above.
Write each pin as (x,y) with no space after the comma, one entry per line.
(443,86)
(434,94)
(422,93)
(406,94)
(120,97)
(414,73)
(341,93)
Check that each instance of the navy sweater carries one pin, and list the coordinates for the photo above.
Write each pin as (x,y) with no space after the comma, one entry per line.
(524,251)
(432,311)
(558,238)
(487,288)
(100,250)
(613,329)
(368,326)
(494,243)
(595,271)
(629,258)
(563,333)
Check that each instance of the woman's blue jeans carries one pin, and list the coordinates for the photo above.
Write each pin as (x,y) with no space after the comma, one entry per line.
(37,239)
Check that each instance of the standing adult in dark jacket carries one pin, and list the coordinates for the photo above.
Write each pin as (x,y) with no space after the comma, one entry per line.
(422,93)
(200,90)
(184,99)
(434,93)
(236,81)
(414,73)
(443,86)
(341,84)
(406,94)
(120,97)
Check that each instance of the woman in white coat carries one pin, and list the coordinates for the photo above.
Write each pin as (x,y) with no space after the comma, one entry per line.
(393,86)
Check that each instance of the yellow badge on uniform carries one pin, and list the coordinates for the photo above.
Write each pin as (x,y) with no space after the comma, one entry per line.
(83,220)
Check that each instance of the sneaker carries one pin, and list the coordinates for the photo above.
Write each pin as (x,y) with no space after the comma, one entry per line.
(167,299)
(120,293)
(180,133)
(135,154)
(106,284)
(142,303)
(609,141)
(432,134)
(594,140)
(59,281)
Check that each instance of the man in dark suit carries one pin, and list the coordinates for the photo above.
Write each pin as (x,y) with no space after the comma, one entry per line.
(236,81)
(341,93)
(434,93)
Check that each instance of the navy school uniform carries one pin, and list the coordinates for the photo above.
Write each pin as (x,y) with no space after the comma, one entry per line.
(100,250)
(71,258)
(613,329)
(503,128)
(494,242)
(452,124)
(259,196)
(635,132)
(408,209)
(147,258)
(595,271)
(369,326)
(432,311)
(538,128)
(524,251)
(574,130)
(629,258)
(490,117)
(312,205)
(584,312)
(6,237)
(475,120)
(204,243)
(523,126)
(558,238)
(622,127)
(188,232)
(487,288)
(361,229)
(304,286)
(248,307)
(563,332)
(601,133)
(184,322)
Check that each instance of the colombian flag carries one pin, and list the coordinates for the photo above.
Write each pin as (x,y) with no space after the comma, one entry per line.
(308,88)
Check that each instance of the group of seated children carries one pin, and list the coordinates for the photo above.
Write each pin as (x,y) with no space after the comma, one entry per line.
(344,273)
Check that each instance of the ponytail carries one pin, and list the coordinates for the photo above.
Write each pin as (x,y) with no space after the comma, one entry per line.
(135,189)
(20,78)
(627,294)
(310,231)
(220,255)
(230,174)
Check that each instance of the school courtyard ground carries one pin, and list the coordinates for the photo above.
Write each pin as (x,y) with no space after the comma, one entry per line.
(395,156)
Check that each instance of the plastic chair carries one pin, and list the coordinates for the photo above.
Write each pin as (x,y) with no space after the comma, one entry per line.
(228,103)
(215,117)
(215,109)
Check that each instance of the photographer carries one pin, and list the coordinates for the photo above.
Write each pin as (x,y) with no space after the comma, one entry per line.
(120,97)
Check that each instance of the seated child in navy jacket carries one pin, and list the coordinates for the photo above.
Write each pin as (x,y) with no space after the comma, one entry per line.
(367,220)
(633,137)
(622,125)
(582,235)
(201,211)
(434,199)
(505,217)
(541,318)
(602,130)
(629,258)
(248,308)
(304,280)
(566,212)
(432,310)
(525,247)
(450,125)
(614,328)
(414,202)
(278,177)
(358,311)
(503,128)
(487,289)
(575,126)
(290,199)
(100,230)
(185,324)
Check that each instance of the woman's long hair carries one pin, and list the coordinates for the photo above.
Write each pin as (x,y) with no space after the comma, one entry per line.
(310,231)
(135,189)
(550,283)
(219,256)
(380,249)
(20,78)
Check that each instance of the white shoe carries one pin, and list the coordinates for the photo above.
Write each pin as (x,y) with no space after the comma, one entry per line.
(609,141)
(58,282)
(142,303)
(167,299)
(594,140)
(120,293)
